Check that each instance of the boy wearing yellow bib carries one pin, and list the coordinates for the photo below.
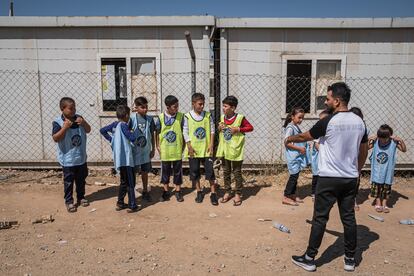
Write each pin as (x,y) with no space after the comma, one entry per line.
(232,130)
(199,137)
(170,145)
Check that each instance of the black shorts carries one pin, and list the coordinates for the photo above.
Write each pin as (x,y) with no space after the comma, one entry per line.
(174,168)
(195,163)
(143,168)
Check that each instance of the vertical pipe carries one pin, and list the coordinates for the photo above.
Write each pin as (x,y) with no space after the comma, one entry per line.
(193,61)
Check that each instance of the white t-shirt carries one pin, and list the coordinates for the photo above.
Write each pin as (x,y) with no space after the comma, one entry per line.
(341,135)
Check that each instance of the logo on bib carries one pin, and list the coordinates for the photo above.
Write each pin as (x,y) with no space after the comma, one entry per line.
(141,141)
(200,133)
(170,136)
(76,140)
(227,134)
(382,158)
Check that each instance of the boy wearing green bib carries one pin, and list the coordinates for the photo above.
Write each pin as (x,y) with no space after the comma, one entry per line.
(232,130)
(199,138)
(170,145)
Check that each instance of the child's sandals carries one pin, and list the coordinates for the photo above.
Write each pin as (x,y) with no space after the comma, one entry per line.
(289,201)
(71,208)
(378,208)
(385,209)
(226,198)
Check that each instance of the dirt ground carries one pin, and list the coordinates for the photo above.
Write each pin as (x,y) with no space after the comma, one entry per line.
(172,238)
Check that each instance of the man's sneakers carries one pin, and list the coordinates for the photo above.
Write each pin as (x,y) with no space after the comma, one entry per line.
(305,262)
(165,196)
(179,196)
(349,264)
(200,196)
(121,206)
(214,199)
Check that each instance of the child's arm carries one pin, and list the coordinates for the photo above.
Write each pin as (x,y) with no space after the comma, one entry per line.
(59,135)
(157,136)
(82,122)
(371,141)
(316,144)
(131,136)
(245,127)
(152,130)
(400,143)
(108,129)
(187,140)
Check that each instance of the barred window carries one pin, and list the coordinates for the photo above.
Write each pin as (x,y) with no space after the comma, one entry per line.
(114,83)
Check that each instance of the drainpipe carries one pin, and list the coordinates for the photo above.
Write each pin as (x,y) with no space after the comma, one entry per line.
(193,61)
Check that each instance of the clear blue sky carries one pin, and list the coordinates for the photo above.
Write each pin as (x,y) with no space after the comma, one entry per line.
(220,8)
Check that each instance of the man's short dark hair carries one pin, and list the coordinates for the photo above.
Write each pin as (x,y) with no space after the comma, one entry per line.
(341,91)
(197,97)
(170,100)
(384,131)
(65,101)
(122,111)
(140,101)
(231,101)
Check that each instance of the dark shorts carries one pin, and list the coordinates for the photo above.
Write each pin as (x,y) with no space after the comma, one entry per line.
(174,168)
(143,168)
(195,163)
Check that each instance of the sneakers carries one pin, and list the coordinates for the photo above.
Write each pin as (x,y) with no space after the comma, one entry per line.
(199,198)
(146,196)
(304,262)
(133,210)
(179,196)
(165,196)
(83,202)
(214,199)
(121,206)
(349,264)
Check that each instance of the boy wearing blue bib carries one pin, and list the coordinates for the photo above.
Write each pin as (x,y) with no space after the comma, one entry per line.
(170,145)
(383,159)
(69,132)
(123,142)
(144,148)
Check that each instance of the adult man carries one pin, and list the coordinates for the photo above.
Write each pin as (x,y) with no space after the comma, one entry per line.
(342,153)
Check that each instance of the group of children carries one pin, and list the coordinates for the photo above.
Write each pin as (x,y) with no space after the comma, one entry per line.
(135,137)
(383,159)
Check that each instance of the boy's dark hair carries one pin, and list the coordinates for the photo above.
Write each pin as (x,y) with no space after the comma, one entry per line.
(122,111)
(170,100)
(340,90)
(197,97)
(65,101)
(292,113)
(231,101)
(140,101)
(384,131)
(357,111)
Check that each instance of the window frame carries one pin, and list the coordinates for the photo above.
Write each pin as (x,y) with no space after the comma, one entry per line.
(314,59)
(127,56)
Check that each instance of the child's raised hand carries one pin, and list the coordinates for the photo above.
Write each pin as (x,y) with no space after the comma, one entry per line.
(67,124)
(79,120)
(396,139)
(221,126)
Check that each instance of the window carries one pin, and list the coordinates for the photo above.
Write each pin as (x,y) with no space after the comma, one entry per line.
(144,80)
(298,84)
(307,79)
(114,85)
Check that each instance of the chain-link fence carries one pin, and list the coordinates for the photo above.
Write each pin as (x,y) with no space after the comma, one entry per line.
(30,102)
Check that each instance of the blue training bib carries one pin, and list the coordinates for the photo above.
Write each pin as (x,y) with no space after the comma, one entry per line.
(383,163)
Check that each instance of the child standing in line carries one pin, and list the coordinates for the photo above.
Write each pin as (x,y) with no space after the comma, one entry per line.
(199,137)
(295,154)
(69,132)
(232,127)
(122,143)
(383,160)
(315,157)
(170,145)
(144,149)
